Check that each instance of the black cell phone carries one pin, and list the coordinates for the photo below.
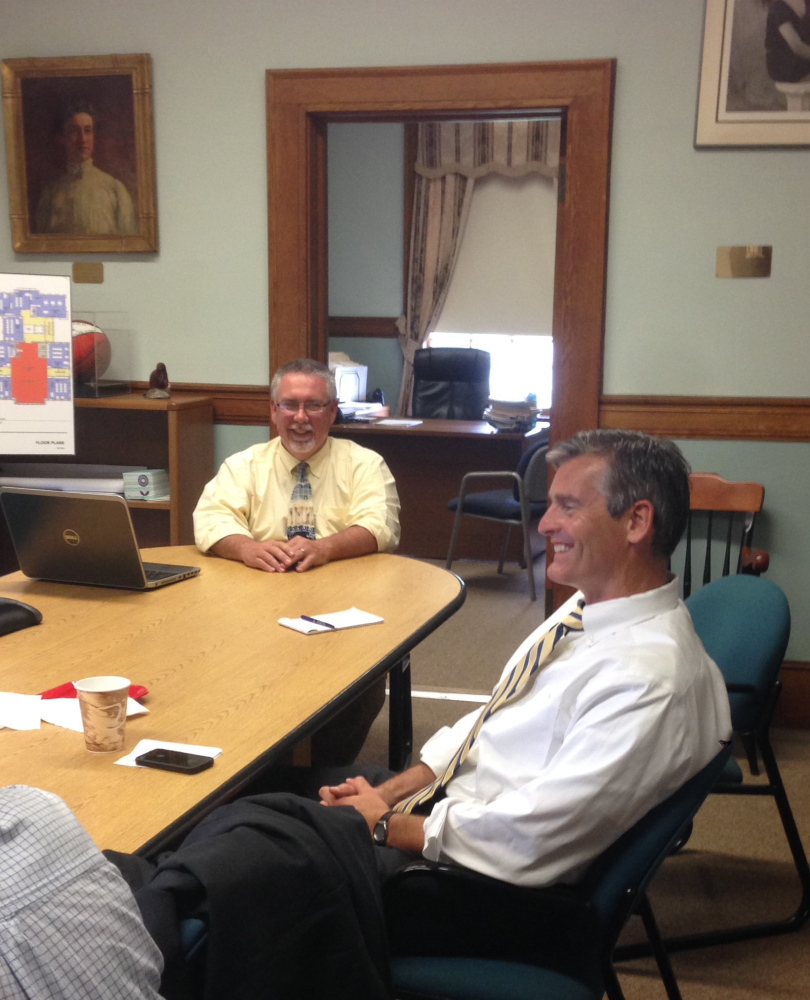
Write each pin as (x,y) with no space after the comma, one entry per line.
(175,760)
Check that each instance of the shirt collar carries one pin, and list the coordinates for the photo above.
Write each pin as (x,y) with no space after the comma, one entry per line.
(79,169)
(606,617)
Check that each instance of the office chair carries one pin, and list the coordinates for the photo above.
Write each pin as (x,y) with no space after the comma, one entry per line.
(554,943)
(450,383)
(521,504)
(734,506)
(744,623)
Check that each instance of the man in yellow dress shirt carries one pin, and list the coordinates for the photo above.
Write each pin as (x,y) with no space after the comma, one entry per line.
(247,511)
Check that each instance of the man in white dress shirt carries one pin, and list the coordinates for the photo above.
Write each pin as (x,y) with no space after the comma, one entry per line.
(622,713)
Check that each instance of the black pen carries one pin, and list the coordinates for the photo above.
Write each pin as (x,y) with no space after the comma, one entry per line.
(316,621)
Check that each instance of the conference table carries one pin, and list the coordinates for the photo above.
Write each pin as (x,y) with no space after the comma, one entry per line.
(220,672)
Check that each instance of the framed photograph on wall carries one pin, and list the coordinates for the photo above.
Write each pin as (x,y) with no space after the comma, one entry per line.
(80,144)
(755,74)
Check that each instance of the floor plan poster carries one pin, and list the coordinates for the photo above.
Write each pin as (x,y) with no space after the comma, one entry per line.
(36,384)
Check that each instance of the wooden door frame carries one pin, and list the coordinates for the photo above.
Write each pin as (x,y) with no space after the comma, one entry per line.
(300,103)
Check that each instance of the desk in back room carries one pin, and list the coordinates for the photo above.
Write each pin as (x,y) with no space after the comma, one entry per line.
(220,671)
(427,463)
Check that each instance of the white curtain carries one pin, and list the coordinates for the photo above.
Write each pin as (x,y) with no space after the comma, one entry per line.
(440,211)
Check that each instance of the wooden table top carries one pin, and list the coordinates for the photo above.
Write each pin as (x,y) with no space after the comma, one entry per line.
(220,671)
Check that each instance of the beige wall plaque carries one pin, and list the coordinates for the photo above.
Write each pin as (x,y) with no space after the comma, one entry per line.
(744,262)
(88,273)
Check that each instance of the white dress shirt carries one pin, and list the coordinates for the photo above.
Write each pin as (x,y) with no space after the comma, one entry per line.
(621,716)
(69,926)
(250,495)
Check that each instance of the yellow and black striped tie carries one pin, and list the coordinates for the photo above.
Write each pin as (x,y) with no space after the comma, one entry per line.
(510,687)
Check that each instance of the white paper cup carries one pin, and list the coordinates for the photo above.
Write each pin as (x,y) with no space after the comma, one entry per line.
(103,701)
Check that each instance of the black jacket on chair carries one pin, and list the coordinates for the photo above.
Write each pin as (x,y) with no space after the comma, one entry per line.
(290,897)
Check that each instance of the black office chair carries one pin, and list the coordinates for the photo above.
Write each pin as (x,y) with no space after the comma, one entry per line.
(554,943)
(450,383)
(522,502)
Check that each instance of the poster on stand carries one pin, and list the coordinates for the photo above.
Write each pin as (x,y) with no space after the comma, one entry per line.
(36,366)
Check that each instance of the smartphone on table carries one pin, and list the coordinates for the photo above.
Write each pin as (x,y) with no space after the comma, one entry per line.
(174,760)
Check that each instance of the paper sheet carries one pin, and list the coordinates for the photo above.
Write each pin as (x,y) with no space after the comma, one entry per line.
(353,618)
(19,711)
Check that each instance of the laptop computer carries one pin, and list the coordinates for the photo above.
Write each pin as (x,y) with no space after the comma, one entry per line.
(81,538)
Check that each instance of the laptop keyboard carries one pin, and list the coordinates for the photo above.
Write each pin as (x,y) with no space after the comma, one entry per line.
(159,571)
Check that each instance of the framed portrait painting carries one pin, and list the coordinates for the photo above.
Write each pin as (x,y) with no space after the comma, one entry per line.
(755,74)
(81,154)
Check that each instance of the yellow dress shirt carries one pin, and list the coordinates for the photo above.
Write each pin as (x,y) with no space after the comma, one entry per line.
(250,495)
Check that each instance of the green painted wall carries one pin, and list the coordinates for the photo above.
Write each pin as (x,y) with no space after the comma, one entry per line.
(200,304)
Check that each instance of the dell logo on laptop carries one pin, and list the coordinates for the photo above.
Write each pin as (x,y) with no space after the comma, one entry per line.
(71,536)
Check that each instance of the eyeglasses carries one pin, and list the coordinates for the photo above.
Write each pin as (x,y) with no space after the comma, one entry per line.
(311,406)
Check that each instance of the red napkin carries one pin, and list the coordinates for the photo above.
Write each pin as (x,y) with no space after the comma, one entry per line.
(136,691)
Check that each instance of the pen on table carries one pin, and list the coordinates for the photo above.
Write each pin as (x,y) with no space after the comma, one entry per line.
(316,621)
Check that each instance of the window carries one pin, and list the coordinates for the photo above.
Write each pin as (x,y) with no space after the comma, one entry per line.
(502,291)
(521,364)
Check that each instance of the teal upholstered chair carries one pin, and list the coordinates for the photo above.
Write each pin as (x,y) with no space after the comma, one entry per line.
(544,944)
(744,623)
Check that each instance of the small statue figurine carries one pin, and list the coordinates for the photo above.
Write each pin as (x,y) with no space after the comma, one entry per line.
(158,383)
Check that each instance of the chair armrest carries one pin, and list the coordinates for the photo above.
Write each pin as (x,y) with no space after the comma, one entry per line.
(754,561)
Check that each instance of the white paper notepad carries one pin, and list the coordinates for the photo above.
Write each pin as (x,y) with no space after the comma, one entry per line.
(353,618)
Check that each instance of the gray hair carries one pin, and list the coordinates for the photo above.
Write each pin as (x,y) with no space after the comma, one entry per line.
(305,366)
(640,467)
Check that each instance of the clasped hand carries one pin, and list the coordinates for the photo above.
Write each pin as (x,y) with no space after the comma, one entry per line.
(279,556)
(359,794)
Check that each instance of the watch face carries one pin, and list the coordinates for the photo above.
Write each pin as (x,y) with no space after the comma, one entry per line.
(380,835)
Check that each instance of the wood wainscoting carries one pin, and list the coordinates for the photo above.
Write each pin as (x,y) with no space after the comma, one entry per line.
(713,418)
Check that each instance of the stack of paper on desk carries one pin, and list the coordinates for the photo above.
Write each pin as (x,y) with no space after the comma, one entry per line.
(337,619)
(75,478)
(148,484)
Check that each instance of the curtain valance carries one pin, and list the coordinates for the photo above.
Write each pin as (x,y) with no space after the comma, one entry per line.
(476,148)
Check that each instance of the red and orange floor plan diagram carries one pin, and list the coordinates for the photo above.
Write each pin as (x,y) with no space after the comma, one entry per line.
(36,385)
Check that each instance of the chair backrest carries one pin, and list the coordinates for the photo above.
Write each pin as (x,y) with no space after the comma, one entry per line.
(450,383)
(621,874)
(533,470)
(744,623)
(724,512)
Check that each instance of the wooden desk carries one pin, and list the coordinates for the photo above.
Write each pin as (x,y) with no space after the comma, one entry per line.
(220,670)
(427,463)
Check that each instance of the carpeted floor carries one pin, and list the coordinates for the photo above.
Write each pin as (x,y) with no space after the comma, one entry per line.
(736,866)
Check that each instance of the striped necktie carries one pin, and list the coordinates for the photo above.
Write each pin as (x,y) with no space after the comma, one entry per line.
(510,687)
(301,520)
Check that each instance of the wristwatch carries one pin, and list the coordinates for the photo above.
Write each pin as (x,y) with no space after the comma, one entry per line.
(380,833)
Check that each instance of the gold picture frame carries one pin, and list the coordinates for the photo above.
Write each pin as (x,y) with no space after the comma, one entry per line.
(80,144)
(740,103)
